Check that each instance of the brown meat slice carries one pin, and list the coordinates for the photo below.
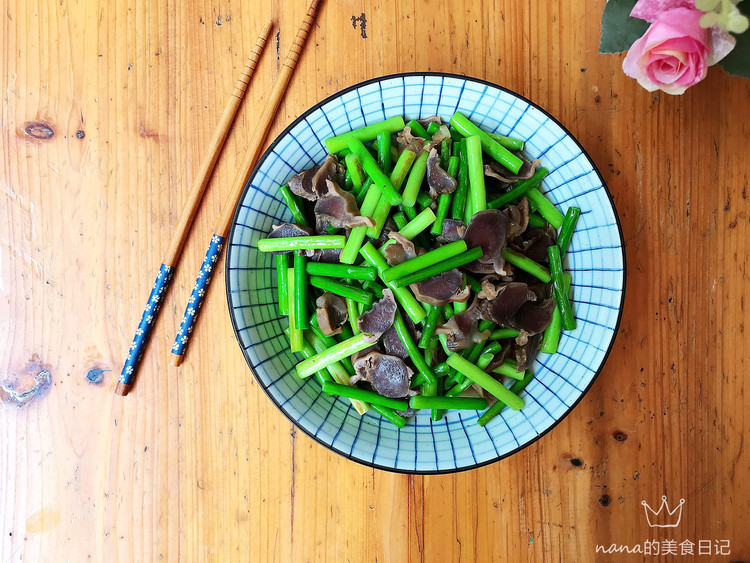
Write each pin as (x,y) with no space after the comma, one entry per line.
(488,230)
(339,209)
(379,318)
(439,181)
(388,375)
(462,330)
(442,288)
(331,313)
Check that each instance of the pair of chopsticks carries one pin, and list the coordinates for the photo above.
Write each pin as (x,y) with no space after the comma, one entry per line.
(166,271)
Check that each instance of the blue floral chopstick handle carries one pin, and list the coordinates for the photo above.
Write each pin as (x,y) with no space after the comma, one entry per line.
(143,331)
(196,299)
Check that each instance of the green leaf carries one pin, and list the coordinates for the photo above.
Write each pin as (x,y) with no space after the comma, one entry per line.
(619,30)
(737,62)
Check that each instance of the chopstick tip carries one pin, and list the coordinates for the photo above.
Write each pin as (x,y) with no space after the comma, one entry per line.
(122,389)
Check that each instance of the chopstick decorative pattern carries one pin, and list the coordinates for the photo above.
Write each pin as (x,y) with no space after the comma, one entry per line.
(143,332)
(196,297)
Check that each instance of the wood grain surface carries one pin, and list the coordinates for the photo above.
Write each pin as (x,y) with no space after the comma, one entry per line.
(107,109)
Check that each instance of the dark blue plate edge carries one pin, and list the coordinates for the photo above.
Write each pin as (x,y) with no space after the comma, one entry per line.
(248,184)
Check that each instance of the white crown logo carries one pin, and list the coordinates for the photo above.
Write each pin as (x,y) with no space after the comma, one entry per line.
(669,519)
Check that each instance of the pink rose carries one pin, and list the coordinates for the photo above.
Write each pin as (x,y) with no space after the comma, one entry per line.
(673,53)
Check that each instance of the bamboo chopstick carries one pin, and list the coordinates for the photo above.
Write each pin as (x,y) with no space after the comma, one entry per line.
(195,194)
(255,145)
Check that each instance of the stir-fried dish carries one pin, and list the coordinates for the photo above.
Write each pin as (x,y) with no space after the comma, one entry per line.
(422,268)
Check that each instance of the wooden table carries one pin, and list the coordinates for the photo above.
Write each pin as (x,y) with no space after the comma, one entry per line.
(107,108)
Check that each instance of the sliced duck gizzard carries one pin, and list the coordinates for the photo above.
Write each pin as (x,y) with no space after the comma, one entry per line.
(440,135)
(489,172)
(400,251)
(392,344)
(526,353)
(453,230)
(536,243)
(311,184)
(442,288)
(461,329)
(325,255)
(339,209)
(362,353)
(439,181)
(518,218)
(533,318)
(331,169)
(425,121)
(407,141)
(388,375)
(500,302)
(379,318)
(331,313)
(499,172)
(488,230)
(388,228)
(302,184)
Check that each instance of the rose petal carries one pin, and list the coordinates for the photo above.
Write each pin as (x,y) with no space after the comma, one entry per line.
(650,10)
(673,89)
(664,74)
(647,84)
(634,66)
(635,59)
(676,58)
(680,45)
(720,43)
(676,24)
(695,71)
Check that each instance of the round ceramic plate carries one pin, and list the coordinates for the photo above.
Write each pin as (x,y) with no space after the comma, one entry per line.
(457,442)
